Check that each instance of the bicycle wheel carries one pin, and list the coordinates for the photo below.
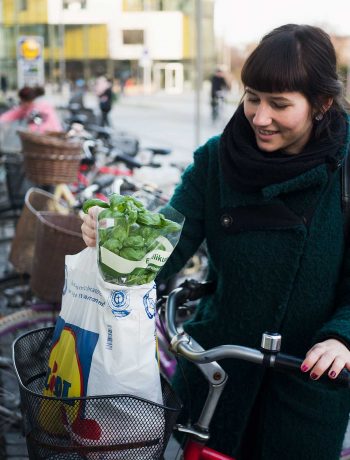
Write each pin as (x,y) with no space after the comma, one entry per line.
(9,398)
(11,326)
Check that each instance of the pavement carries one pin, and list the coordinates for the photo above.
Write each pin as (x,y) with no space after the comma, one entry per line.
(162,119)
(169,120)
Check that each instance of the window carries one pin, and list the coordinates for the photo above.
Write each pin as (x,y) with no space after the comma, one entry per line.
(133,37)
(22,5)
(157,5)
(74,4)
(132,5)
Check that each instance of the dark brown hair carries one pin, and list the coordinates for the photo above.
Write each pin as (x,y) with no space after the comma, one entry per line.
(28,93)
(297,58)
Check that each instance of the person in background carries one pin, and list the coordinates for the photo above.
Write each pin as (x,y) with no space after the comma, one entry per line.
(37,114)
(104,93)
(266,198)
(3,84)
(77,94)
(219,85)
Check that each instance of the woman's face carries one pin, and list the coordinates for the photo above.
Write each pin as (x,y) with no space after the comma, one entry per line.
(26,105)
(280,121)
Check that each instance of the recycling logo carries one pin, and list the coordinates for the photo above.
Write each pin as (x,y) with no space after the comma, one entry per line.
(120,303)
(149,303)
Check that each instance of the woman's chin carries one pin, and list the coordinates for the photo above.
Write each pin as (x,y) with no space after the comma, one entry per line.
(267,147)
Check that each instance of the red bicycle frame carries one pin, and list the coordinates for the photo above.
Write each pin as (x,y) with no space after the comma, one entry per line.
(196,451)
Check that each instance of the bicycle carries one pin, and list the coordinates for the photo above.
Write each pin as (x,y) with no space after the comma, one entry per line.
(35,313)
(197,434)
(217,105)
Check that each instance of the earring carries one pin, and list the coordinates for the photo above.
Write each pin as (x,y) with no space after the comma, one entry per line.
(319,117)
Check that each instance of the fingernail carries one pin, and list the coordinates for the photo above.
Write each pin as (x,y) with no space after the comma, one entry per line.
(304,368)
(313,376)
(332,374)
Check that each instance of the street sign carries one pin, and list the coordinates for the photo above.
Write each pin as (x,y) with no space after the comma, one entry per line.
(30,61)
(145,59)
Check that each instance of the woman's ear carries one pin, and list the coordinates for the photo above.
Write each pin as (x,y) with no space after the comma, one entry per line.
(327,105)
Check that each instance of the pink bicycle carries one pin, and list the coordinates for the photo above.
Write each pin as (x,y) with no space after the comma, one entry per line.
(197,434)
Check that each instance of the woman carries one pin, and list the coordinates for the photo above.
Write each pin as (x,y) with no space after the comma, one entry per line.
(38,115)
(266,196)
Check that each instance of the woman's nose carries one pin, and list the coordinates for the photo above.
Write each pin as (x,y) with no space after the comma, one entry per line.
(262,116)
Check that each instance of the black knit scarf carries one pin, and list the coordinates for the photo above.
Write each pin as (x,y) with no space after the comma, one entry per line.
(247,168)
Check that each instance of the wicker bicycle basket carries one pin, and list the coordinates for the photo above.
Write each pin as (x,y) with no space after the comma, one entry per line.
(56,236)
(50,158)
(113,427)
(22,247)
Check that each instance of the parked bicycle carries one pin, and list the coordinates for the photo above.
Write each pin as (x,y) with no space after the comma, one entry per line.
(34,347)
(197,433)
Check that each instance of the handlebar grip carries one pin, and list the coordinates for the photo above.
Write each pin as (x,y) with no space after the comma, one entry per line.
(193,289)
(283,361)
(158,151)
(343,378)
(104,181)
(129,161)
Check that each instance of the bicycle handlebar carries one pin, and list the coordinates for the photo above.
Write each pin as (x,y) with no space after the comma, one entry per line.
(185,346)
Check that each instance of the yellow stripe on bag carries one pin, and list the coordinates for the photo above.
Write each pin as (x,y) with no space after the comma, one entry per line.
(64,380)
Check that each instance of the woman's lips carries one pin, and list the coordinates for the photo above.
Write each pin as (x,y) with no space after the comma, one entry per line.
(265,134)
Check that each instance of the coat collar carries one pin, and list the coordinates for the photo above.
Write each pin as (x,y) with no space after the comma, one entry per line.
(315,178)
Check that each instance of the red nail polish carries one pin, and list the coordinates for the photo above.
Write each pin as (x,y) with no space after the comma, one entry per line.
(332,374)
(313,376)
(304,368)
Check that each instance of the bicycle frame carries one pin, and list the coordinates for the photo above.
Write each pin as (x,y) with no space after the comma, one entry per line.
(196,451)
(182,344)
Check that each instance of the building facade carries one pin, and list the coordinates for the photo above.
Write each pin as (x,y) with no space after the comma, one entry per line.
(149,40)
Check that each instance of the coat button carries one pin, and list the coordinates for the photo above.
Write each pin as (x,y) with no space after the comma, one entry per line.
(226,220)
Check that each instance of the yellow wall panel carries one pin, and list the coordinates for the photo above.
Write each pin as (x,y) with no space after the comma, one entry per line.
(86,42)
(36,12)
(187,37)
(73,43)
(98,41)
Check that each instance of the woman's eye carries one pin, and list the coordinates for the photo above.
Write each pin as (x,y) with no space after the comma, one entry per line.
(278,106)
(253,100)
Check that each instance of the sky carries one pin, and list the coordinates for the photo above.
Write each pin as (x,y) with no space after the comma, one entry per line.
(244,21)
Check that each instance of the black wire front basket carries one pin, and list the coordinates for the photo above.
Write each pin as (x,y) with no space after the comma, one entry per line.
(121,427)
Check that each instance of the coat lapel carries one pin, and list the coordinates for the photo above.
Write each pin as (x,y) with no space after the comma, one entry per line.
(275,207)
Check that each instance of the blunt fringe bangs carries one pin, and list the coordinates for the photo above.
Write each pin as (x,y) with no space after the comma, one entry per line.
(295,58)
(275,66)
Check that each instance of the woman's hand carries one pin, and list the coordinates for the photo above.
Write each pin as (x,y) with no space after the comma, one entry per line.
(330,355)
(89,226)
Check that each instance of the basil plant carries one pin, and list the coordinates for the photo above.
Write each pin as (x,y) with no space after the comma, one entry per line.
(133,243)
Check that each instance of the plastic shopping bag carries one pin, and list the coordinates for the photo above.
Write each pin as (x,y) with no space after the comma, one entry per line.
(103,344)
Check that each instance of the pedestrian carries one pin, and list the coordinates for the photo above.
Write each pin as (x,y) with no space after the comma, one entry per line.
(3,84)
(219,85)
(266,197)
(37,114)
(77,96)
(104,93)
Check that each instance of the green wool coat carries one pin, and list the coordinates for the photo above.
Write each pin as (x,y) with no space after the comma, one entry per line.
(288,273)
